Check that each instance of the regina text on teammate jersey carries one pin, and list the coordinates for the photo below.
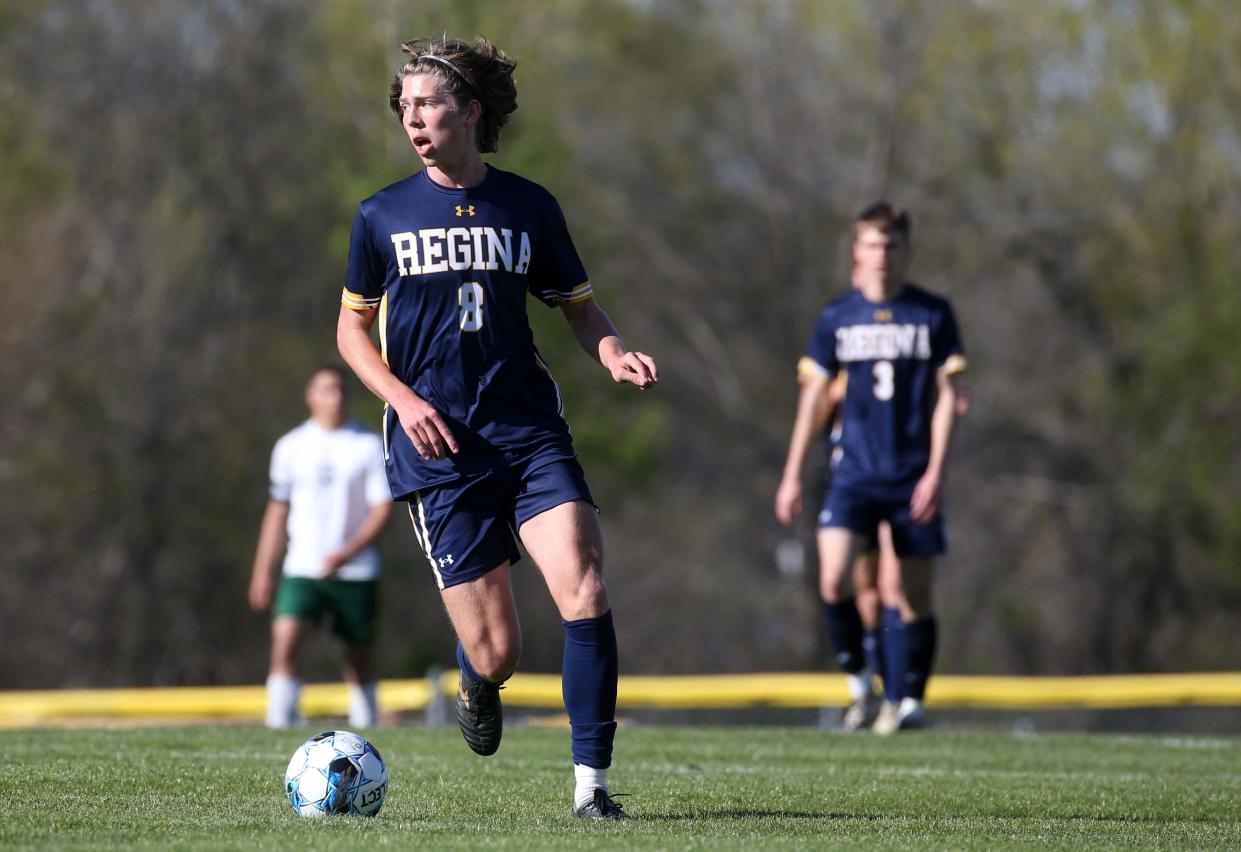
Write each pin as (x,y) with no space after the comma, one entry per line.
(883,342)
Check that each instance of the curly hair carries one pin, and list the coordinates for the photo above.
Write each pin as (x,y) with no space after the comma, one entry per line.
(478,72)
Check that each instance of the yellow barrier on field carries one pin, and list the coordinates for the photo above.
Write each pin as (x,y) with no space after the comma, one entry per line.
(792,690)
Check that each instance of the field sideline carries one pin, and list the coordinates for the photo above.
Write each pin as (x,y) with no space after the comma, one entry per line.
(21,708)
(689,788)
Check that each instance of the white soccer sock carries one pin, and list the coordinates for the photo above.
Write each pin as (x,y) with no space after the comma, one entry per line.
(363,710)
(859,684)
(588,778)
(283,692)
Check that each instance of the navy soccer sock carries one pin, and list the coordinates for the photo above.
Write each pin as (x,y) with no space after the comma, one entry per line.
(872,644)
(923,636)
(463,663)
(844,628)
(895,655)
(588,681)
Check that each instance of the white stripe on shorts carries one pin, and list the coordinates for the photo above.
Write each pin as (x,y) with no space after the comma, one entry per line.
(424,536)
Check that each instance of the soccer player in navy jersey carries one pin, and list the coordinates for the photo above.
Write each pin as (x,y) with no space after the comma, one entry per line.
(474,437)
(899,346)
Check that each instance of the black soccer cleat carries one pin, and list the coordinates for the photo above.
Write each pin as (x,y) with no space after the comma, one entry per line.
(479,715)
(601,806)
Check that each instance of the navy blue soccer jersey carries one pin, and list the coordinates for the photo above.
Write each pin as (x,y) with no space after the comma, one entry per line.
(891,353)
(449,271)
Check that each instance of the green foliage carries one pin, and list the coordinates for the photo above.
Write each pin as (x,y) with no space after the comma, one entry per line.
(688,788)
(29,176)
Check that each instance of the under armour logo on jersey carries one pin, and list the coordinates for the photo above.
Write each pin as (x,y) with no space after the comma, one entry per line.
(468,210)
(881,314)
(447,560)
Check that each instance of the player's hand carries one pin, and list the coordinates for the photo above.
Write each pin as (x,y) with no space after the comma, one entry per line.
(260,592)
(788,501)
(332,563)
(427,430)
(924,504)
(963,401)
(636,369)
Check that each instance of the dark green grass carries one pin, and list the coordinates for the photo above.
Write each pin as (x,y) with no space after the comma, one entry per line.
(691,788)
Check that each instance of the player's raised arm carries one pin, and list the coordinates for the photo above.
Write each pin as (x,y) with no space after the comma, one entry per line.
(424,425)
(814,407)
(601,340)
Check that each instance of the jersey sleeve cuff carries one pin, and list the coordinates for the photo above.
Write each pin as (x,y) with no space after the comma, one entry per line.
(580,293)
(955,364)
(808,369)
(358,302)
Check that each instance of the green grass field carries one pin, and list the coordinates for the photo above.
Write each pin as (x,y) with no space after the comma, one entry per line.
(690,788)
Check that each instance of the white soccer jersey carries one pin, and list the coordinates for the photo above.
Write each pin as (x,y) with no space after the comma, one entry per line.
(331,479)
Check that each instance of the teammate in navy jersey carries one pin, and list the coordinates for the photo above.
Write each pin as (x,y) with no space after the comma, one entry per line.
(474,438)
(900,348)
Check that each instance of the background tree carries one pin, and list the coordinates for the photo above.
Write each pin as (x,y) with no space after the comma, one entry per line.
(176,188)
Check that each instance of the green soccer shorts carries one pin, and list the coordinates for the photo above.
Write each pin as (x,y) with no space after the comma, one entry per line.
(352,605)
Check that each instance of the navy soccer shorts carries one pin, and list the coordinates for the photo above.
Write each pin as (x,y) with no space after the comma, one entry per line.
(466,527)
(862,513)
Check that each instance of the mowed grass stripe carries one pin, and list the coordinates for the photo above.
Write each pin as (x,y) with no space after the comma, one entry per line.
(690,788)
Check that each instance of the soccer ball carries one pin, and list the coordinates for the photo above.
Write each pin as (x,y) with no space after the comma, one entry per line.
(336,772)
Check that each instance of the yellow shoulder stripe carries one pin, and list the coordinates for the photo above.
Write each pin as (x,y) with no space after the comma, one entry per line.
(808,368)
(954,364)
(358,302)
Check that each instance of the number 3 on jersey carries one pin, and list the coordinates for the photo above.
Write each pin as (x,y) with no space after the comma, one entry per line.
(470,298)
(884,375)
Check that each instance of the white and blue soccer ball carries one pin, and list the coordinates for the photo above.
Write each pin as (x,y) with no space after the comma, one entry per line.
(336,772)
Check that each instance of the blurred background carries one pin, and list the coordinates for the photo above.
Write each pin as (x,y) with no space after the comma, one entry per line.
(177,184)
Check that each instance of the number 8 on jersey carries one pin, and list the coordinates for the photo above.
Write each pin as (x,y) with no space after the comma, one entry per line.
(470,298)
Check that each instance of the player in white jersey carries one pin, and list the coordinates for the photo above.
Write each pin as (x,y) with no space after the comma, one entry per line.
(329,500)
